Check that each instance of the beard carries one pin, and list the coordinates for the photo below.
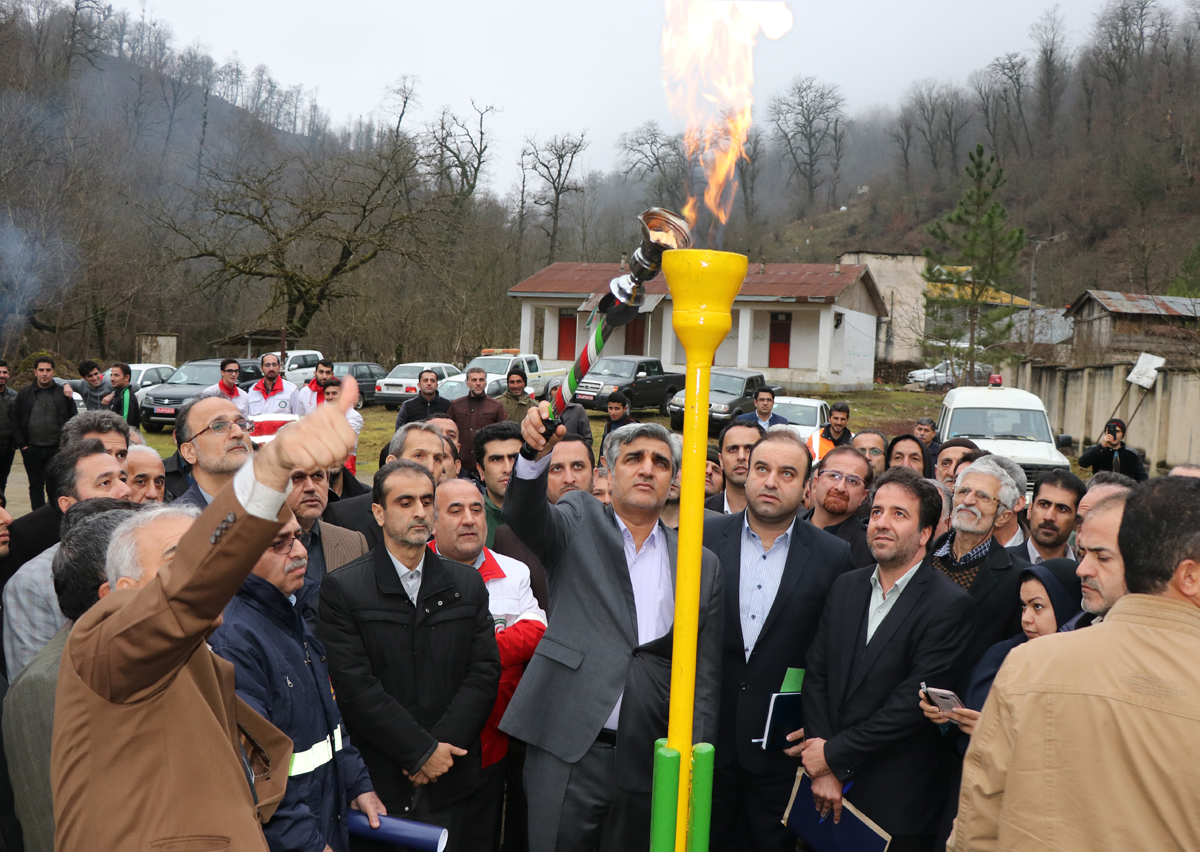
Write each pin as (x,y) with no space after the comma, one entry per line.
(835,504)
(226,461)
(976,527)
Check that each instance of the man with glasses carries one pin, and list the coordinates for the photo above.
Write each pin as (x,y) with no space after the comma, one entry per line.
(777,571)
(214,438)
(984,496)
(228,388)
(272,394)
(764,404)
(329,546)
(873,444)
(840,483)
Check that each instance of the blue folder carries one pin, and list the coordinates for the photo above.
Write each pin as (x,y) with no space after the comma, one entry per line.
(402,833)
(855,833)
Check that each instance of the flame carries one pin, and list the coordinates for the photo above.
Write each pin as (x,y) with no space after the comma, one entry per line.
(708,74)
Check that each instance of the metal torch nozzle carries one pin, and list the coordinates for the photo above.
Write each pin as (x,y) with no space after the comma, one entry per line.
(662,230)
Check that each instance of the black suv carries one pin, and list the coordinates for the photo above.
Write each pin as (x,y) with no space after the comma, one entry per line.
(162,401)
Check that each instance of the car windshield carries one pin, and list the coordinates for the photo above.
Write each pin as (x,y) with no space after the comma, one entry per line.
(491,364)
(613,367)
(452,389)
(196,374)
(732,385)
(400,371)
(340,370)
(1013,424)
(798,415)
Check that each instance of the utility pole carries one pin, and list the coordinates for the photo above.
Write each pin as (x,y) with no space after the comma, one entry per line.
(1031,325)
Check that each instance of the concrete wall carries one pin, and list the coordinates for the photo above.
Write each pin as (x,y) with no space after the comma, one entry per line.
(858,346)
(903,290)
(1080,400)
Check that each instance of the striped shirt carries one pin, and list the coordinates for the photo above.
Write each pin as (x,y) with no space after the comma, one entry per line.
(761,571)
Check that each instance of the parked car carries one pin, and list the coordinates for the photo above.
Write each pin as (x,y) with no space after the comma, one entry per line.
(921,376)
(162,401)
(1006,422)
(456,386)
(367,373)
(948,379)
(400,385)
(804,415)
(642,380)
(497,362)
(144,376)
(731,394)
(300,366)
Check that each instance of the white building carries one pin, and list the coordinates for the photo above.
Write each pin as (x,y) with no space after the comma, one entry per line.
(808,327)
(902,287)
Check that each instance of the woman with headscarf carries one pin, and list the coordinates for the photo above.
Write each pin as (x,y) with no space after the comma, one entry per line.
(909,451)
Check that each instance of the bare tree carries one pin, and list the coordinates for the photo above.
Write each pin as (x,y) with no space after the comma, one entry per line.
(900,131)
(1011,71)
(749,167)
(955,116)
(457,150)
(553,161)
(803,118)
(1052,67)
(657,159)
(837,153)
(924,102)
(987,104)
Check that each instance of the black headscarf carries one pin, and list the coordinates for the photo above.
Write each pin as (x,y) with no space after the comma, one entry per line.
(928,462)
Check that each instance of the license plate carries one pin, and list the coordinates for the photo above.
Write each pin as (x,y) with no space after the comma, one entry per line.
(158,410)
(584,396)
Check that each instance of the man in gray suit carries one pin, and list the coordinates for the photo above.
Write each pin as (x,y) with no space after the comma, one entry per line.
(594,697)
(28,717)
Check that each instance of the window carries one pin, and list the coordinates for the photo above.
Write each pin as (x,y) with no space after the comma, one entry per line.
(798,415)
(362,371)
(377,372)
(533,365)
(1012,424)
(612,367)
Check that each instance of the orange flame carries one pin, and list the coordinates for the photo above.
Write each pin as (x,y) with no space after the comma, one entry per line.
(708,74)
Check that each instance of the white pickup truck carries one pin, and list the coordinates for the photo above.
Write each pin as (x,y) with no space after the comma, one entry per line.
(497,362)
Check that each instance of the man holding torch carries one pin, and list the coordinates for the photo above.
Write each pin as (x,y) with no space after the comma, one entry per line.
(594,697)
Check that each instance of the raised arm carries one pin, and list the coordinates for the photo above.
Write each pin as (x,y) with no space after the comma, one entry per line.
(545,529)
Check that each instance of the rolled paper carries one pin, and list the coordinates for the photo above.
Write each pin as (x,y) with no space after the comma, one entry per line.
(418,836)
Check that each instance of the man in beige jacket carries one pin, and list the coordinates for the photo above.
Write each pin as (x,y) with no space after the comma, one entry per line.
(1088,739)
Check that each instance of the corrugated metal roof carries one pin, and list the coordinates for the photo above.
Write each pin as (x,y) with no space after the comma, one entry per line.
(801,282)
(1138,303)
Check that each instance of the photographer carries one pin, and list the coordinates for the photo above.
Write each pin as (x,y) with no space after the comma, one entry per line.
(1112,454)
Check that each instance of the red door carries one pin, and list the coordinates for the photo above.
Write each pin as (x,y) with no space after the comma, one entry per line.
(635,337)
(566,334)
(781,341)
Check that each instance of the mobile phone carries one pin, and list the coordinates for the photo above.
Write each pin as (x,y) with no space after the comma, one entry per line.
(944,699)
(1112,430)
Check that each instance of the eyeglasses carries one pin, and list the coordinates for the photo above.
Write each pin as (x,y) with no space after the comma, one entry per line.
(220,427)
(284,545)
(836,476)
(870,451)
(980,496)
(231,371)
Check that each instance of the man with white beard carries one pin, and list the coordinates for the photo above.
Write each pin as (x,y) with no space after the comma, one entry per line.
(969,554)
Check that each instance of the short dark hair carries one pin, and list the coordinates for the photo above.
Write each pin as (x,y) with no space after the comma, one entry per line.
(571,438)
(325,362)
(266,355)
(1063,479)
(765,389)
(62,472)
(3,363)
(183,432)
(505,430)
(929,498)
(101,421)
(846,450)
(78,566)
(379,492)
(421,375)
(225,362)
(125,369)
(516,371)
(619,398)
(42,359)
(1111,477)
(86,366)
(840,407)
(441,415)
(881,436)
(734,424)
(973,456)
(1160,529)
(784,436)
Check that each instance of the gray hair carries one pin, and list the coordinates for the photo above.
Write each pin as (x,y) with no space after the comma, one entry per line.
(123,558)
(628,434)
(947,497)
(989,466)
(98,422)
(1015,472)
(145,450)
(78,568)
(396,445)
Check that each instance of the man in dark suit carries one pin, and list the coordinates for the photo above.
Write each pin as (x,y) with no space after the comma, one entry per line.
(594,697)
(777,571)
(734,444)
(885,630)
(839,488)
(413,658)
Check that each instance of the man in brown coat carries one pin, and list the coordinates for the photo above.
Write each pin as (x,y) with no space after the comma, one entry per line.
(472,412)
(152,748)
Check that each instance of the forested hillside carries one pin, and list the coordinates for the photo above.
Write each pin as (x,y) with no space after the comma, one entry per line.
(146,186)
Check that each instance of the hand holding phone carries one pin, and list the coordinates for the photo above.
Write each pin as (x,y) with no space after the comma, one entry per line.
(944,699)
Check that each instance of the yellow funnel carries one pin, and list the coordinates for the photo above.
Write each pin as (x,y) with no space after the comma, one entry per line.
(703,285)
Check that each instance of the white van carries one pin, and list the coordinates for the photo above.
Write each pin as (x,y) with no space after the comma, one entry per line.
(301,365)
(1007,422)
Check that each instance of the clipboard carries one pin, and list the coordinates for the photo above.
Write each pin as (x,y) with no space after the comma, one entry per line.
(855,833)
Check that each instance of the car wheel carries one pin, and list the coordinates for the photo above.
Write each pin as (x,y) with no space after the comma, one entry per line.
(153,427)
(663,409)
(945,387)
(358,403)
(390,407)
(677,425)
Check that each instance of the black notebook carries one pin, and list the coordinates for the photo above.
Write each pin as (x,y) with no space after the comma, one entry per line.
(783,717)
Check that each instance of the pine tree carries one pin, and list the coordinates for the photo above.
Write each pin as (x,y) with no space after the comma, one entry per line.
(976,260)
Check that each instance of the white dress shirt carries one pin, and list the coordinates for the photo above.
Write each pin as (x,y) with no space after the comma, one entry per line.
(411,580)
(882,602)
(758,581)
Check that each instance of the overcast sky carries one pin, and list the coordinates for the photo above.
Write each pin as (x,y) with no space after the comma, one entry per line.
(571,65)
